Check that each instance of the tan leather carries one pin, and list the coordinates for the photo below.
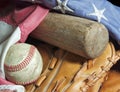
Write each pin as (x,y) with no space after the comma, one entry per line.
(112,83)
(61,75)
(109,82)
(96,87)
(66,72)
(98,67)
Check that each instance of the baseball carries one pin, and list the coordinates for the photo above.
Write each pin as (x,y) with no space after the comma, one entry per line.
(23,64)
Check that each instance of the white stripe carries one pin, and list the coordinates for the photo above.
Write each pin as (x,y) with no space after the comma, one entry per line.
(15,37)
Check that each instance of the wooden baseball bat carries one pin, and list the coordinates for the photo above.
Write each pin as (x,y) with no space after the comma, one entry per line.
(80,36)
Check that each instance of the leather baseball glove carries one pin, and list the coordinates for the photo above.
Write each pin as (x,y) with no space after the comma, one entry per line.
(109,83)
(112,82)
(66,72)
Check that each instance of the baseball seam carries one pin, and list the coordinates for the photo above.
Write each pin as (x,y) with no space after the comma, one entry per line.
(26,83)
(22,82)
(23,64)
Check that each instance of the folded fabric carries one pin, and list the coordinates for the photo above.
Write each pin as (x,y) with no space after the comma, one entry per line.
(16,27)
(27,19)
(99,10)
(5,82)
(4,46)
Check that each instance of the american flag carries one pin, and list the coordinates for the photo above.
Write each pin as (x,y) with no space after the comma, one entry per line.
(102,11)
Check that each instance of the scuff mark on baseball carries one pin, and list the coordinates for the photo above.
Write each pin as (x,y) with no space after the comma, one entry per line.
(23,63)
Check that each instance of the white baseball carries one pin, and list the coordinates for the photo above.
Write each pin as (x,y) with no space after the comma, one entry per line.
(23,64)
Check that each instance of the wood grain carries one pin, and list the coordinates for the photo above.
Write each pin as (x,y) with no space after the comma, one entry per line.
(78,35)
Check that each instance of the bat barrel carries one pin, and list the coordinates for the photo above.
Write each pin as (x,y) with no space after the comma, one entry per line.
(78,35)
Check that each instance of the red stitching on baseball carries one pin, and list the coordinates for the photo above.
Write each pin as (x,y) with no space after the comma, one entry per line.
(20,82)
(23,64)
(25,83)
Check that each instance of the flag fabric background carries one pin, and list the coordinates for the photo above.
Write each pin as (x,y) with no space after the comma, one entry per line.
(102,11)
